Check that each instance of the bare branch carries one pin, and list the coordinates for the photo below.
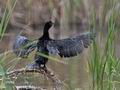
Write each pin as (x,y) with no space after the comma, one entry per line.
(58,85)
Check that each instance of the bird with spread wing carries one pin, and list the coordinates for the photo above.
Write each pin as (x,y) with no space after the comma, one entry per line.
(68,47)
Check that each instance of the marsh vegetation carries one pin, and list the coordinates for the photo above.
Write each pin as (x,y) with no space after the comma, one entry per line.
(97,68)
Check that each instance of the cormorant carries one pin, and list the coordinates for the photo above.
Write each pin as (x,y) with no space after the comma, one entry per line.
(68,47)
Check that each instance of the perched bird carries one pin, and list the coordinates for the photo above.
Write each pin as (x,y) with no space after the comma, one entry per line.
(68,47)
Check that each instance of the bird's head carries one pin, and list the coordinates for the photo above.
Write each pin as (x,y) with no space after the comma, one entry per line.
(48,25)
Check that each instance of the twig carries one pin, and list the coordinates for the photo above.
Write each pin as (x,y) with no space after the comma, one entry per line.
(29,88)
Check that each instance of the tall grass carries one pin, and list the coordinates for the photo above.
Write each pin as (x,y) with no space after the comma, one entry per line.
(6,16)
(104,63)
(5,82)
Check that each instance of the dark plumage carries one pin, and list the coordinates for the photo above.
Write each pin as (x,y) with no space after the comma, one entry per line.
(23,46)
(64,48)
(71,46)
(42,45)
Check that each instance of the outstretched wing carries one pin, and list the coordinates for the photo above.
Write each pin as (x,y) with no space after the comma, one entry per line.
(23,46)
(71,46)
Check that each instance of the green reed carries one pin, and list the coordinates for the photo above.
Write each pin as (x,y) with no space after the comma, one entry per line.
(6,16)
(104,63)
(5,82)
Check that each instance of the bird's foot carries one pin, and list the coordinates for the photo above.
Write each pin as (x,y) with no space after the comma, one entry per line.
(43,67)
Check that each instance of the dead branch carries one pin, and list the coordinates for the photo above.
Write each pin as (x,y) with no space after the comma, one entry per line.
(58,85)
(29,88)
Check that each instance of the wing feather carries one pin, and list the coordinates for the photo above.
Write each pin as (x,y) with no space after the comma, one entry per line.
(23,46)
(71,46)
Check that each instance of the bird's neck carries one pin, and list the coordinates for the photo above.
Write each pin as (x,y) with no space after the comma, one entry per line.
(46,33)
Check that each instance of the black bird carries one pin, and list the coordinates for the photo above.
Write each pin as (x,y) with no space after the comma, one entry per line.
(68,47)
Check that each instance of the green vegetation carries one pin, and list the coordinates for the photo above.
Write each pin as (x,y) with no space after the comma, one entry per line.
(5,81)
(104,65)
(6,16)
